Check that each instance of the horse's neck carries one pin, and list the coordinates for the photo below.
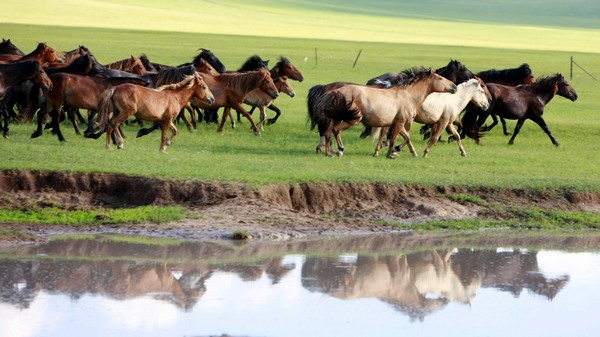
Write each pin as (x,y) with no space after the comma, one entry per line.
(246,82)
(419,91)
(542,92)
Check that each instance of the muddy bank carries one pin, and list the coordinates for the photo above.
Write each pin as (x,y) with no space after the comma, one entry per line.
(274,211)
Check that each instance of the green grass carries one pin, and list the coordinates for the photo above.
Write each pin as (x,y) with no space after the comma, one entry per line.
(285,151)
(58,216)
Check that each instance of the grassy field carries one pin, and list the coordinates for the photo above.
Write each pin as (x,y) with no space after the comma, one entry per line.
(285,151)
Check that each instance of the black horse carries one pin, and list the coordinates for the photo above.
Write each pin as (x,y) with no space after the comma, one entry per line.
(521,103)
(13,74)
(7,47)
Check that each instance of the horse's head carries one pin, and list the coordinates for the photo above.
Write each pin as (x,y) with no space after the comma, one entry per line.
(283,85)
(201,90)
(49,54)
(455,72)
(285,68)
(7,47)
(267,85)
(210,57)
(202,66)
(481,95)
(440,83)
(564,89)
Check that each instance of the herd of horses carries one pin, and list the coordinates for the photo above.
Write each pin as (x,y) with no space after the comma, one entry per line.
(55,86)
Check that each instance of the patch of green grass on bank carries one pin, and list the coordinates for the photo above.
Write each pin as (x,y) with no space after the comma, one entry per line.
(518,219)
(58,216)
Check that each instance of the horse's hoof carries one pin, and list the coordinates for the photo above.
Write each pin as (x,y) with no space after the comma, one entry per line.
(340,154)
(392,156)
(463,154)
(120,146)
(257,133)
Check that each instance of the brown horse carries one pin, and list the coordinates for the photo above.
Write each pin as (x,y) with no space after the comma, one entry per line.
(162,104)
(258,98)
(42,53)
(131,65)
(393,108)
(230,89)
(76,91)
(521,103)
(13,74)
(282,68)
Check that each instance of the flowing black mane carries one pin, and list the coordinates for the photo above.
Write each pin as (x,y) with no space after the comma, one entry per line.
(209,57)
(455,72)
(254,62)
(513,74)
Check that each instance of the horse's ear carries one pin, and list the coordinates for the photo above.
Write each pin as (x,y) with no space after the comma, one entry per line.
(431,71)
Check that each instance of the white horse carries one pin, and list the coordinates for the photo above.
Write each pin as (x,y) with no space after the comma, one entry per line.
(441,109)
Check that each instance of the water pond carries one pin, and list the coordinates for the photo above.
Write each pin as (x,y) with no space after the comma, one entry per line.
(392,285)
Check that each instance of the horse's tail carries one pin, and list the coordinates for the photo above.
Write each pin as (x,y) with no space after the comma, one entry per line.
(336,107)
(32,103)
(469,123)
(315,111)
(105,109)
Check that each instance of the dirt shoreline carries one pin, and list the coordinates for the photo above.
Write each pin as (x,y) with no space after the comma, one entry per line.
(273,212)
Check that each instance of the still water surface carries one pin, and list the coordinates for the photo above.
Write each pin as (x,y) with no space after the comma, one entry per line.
(367,286)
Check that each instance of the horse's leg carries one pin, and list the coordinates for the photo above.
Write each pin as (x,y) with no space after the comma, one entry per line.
(163,137)
(5,115)
(142,132)
(539,120)
(243,111)
(223,119)
(456,135)
(56,123)
(72,115)
(491,126)
(517,129)
(504,129)
(383,132)
(438,128)
(263,117)
(277,114)
(186,120)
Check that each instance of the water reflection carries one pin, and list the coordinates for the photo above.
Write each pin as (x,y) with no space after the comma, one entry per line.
(414,285)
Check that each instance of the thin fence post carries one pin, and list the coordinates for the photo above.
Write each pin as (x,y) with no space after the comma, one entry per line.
(316,57)
(580,67)
(356,60)
(571,78)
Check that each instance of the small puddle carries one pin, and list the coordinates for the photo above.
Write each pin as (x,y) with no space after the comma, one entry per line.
(361,286)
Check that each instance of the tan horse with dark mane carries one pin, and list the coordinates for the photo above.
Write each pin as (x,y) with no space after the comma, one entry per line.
(162,104)
(393,108)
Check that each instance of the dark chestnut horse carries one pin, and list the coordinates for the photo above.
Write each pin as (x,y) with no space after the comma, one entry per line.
(162,104)
(521,103)
(13,74)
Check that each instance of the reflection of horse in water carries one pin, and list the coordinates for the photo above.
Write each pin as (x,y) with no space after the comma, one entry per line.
(404,281)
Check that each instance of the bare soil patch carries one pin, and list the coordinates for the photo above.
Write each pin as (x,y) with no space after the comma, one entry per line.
(278,211)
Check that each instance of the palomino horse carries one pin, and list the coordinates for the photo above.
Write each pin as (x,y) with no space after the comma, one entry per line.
(258,98)
(13,74)
(441,109)
(162,104)
(393,108)
(42,53)
(76,91)
(521,103)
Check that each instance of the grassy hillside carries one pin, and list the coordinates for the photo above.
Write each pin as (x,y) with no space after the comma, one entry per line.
(567,26)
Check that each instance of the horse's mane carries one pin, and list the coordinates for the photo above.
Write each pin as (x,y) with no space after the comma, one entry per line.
(239,81)
(209,57)
(413,75)
(547,82)
(282,63)
(187,82)
(172,75)
(511,73)
(254,62)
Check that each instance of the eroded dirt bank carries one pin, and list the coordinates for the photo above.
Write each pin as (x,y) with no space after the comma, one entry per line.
(278,211)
